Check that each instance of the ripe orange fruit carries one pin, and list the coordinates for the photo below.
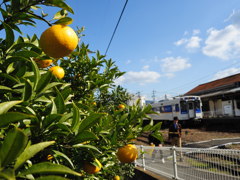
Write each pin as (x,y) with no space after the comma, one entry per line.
(116,178)
(127,153)
(43,63)
(57,71)
(90,168)
(121,106)
(58,41)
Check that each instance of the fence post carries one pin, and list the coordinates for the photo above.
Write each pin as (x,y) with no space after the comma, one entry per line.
(174,162)
(143,160)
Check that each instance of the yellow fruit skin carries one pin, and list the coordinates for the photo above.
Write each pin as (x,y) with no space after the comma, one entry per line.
(91,169)
(43,63)
(58,41)
(116,178)
(127,154)
(57,71)
(121,106)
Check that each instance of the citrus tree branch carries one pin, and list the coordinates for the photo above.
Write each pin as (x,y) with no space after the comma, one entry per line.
(39,17)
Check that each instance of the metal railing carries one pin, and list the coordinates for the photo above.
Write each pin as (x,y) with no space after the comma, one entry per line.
(190,163)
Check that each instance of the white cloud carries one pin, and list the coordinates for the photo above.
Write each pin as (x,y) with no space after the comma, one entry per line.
(174,64)
(169,75)
(190,44)
(146,67)
(234,17)
(223,43)
(193,42)
(140,77)
(180,42)
(225,73)
(196,32)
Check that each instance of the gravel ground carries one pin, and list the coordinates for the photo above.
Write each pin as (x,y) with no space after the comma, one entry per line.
(194,135)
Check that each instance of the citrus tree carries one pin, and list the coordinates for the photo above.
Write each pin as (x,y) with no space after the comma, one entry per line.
(61,116)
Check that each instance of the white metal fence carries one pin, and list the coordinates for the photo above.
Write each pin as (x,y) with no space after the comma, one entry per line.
(190,163)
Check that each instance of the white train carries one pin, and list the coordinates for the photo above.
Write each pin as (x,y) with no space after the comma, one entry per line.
(184,107)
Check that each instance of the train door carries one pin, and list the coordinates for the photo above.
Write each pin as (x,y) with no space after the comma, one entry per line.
(191,110)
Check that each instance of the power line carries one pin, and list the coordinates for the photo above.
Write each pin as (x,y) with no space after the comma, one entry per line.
(203,77)
(116,27)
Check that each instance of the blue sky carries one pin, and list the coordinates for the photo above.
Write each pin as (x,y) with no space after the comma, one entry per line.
(166,46)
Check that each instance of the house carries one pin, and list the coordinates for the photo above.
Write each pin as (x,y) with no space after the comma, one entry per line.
(220,98)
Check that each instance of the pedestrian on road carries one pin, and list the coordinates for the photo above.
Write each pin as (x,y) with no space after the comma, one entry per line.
(175,133)
(153,141)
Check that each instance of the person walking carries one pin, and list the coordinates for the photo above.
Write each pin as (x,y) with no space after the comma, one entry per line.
(153,141)
(175,133)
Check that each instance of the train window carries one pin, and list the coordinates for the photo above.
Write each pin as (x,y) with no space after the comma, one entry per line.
(197,104)
(190,106)
(177,107)
(183,105)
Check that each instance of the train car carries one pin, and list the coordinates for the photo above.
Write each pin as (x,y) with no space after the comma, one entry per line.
(184,107)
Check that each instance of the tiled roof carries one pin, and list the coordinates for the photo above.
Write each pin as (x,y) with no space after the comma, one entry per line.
(215,84)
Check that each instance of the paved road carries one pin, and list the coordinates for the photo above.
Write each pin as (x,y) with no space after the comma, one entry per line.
(214,143)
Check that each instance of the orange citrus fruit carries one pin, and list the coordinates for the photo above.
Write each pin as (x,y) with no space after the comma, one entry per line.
(121,106)
(58,41)
(127,153)
(90,168)
(116,178)
(43,63)
(57,71)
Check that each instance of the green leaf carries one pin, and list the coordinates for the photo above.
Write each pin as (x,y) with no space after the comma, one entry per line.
(60,4)
(65,21)
(65,117)
(157,127)
(22,45)
(10,68)
(44,81)
(123,117)
(9,34)
(5,106)
(17,59)
(50,119)
(51,178)
(26,54)
(57,153)
(75,118)
(7,174)
(31,151)
(27,92)
(11,78)
(12,117)
(54,108)
(4,89)
(59,101)
(89,121)
(46,168)
(84,136)
(86,146)
(50,85)
(12,146)
(60,14)
(36,74)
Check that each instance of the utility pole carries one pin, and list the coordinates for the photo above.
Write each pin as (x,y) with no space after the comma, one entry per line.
(153,95)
